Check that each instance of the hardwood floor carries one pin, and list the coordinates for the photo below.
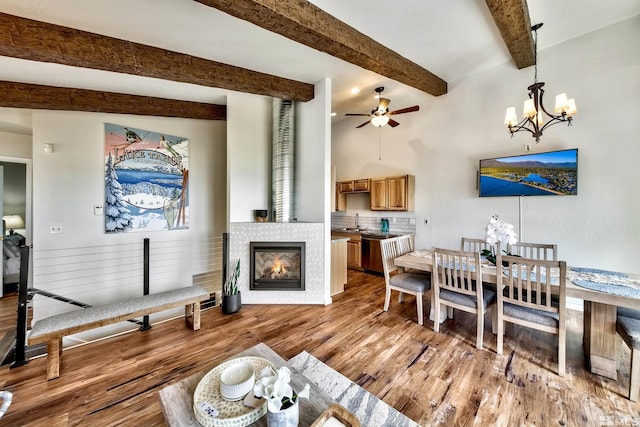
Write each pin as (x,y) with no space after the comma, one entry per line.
(434,379)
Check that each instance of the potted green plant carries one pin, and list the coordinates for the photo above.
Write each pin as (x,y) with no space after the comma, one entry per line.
(231,301)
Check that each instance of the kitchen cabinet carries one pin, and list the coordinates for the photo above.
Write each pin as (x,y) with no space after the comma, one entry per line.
(354,249)
(354,186)
(393,193)
(354,254)
(338,265)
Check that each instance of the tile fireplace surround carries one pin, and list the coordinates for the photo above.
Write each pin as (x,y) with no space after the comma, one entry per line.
(241,234)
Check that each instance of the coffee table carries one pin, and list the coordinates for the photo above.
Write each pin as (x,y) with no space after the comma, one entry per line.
(176,399)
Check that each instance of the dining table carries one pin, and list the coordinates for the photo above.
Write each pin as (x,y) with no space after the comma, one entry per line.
(601,291)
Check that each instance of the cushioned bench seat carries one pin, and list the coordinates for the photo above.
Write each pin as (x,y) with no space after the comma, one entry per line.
(52,329)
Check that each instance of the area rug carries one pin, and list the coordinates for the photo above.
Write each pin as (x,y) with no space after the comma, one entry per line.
(371,411)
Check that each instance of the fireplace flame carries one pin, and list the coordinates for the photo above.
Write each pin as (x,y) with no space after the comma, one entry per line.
(277,269)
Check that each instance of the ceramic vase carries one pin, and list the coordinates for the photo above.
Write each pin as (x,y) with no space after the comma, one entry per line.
(231,303)
(285,417)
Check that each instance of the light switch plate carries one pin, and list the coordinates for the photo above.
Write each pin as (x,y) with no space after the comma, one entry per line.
(98,210)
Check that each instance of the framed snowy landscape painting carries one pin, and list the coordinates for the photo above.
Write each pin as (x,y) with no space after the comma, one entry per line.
(146,180)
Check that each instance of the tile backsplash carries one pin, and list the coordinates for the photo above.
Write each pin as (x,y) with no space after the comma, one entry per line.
(402,225)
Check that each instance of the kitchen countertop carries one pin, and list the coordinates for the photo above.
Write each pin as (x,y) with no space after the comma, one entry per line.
(364,232)
(336,239)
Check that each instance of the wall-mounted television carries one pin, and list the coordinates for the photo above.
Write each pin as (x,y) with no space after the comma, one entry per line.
(553,173)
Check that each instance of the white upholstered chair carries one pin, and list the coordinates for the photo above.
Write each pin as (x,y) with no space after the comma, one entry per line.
(534,250)
(456,279)
(528,298)
(404,283)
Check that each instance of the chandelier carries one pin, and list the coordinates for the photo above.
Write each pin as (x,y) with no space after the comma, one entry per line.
(532,119)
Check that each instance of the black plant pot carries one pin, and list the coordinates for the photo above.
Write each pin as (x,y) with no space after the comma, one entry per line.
(231,303)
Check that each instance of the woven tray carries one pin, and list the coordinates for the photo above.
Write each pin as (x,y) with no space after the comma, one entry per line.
(230,414)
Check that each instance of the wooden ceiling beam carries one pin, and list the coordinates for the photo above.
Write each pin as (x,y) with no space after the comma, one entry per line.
(305,23)
(24,95)
(40,41)
(512,19)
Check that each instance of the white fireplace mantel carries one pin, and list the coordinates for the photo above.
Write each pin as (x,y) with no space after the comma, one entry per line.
(242,233)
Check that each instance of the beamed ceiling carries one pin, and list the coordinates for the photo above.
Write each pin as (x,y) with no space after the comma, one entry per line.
(158,51)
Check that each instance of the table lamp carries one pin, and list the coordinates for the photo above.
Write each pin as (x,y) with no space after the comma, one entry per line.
(12,222)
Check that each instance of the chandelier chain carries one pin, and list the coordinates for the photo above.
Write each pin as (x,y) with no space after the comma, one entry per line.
(535,55)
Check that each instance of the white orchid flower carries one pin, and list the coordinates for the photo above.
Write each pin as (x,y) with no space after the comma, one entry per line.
(500,231)
(275,388)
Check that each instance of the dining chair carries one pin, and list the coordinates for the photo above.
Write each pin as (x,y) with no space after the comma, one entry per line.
(534,250)
(406,243)
(403,282)
(457,284)
(528,299)
(468,244)
(628,327)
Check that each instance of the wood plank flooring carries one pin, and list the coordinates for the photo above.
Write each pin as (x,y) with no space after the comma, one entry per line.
(434,379)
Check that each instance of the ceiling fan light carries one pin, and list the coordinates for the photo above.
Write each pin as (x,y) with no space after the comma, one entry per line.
(379,121)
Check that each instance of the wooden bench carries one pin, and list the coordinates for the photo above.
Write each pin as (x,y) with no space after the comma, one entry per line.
(52,329)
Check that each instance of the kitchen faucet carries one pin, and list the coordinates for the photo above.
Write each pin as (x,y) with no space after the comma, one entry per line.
(357,225)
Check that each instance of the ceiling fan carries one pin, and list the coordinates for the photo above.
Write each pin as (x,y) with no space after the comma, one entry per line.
(381,115)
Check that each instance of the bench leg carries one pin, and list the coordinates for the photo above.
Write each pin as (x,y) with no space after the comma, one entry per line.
(192,315)
(54,358)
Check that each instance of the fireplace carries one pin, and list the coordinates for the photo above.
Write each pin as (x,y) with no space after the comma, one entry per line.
(276,266)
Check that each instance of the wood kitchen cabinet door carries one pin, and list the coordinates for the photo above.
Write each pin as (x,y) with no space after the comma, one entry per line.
(397,191)
(346,186)
(378,194)
(354,254)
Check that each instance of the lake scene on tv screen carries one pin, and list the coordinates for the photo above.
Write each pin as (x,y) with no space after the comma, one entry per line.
(545,174)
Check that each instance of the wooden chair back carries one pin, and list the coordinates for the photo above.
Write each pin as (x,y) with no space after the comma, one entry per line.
(405,244)
(534,250)
(468,244)
(389,251)
(456,271)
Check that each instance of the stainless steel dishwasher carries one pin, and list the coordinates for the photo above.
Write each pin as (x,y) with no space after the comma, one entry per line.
(371,255)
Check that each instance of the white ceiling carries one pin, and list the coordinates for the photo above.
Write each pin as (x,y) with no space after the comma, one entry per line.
(450,38)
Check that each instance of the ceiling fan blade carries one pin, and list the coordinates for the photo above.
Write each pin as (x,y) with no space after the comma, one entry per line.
(356,114)
(406,110)
(393,123)
(364,124)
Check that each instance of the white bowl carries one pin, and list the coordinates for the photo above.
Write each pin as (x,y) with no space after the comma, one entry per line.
(236,381)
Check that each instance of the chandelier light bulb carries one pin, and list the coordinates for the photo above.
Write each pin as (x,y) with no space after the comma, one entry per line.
(561,103)
(571,109)
(511,118)
(529,109)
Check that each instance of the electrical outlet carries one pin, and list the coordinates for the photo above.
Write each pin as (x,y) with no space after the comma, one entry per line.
(412,221)
(393,220)
(55,229)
